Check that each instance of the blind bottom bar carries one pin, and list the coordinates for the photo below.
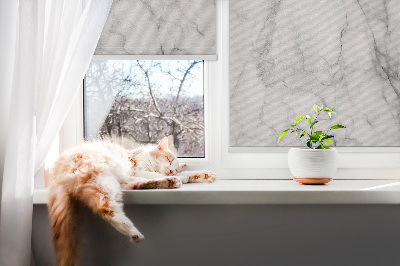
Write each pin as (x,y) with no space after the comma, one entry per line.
(155,57)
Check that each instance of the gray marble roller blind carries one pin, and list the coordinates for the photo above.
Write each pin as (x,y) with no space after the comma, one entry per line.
(287,55)
(159,27)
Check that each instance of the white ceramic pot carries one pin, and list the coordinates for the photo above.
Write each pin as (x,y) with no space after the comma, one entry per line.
(311,166)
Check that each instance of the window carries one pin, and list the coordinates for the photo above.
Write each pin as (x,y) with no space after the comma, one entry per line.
(215,145)
(142,101)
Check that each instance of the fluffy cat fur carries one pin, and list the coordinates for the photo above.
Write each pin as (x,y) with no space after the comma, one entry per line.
(94,174)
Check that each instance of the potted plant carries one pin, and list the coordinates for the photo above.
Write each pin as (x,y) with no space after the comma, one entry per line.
(316,163)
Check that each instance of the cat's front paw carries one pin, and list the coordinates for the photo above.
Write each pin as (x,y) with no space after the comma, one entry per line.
(210,177)
(201,176)
(174,182)
(137,237)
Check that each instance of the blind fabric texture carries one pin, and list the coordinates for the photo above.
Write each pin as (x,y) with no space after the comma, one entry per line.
(159,27)
(286,56)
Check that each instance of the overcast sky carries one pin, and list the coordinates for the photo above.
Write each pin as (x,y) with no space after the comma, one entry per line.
(158,77)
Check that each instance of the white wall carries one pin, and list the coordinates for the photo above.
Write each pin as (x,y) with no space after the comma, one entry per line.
(237,235)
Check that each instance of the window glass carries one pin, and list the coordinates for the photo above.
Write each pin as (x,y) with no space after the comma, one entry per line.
(142,101)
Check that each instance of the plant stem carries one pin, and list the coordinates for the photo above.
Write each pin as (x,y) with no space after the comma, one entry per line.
(315,119)
(297,128)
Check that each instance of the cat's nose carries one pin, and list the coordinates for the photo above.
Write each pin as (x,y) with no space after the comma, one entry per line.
(171,172)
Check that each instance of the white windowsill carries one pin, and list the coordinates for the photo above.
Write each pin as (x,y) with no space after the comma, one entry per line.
(264,192)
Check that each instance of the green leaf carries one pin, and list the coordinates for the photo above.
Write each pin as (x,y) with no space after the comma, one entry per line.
(298,120)
(283,134)
(289,126)
(309,120)
(329,111)
(337,126)
(309,143)
(329,141)
(303,134)
(313,123)
(327,137)
(316,136)
(315,107)
(319,133)
(322,146)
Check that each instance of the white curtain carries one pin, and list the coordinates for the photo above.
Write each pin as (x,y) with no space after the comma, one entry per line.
(54,43)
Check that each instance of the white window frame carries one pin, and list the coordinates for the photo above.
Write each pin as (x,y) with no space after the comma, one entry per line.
(246,163)
(71,132)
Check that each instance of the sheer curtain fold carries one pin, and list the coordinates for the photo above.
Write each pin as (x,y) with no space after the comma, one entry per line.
(55,41)
(75,62)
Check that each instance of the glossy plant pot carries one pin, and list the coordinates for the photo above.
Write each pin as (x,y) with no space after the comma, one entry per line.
(311,166)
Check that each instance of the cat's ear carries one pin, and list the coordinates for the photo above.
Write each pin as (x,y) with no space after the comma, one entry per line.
(171,146)
(163,145)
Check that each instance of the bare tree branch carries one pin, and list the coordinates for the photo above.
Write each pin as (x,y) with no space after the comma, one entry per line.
(139,114)
(146,72)
(183,81)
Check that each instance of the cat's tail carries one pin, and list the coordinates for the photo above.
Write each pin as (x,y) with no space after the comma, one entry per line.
(62,212)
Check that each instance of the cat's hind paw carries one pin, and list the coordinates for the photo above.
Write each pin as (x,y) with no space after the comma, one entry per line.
(138,237)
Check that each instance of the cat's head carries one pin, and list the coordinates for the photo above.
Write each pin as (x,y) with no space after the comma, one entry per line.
(164,160)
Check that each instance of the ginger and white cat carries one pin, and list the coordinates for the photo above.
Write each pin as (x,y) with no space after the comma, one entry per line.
(94,174)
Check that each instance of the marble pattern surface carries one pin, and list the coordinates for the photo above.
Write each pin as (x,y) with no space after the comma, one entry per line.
(286,55)
(159,27)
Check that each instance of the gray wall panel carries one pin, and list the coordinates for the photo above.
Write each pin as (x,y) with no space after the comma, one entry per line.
(195,235)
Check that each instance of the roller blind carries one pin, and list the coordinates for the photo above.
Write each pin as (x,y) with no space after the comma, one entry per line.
(286,56)
(180,28)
